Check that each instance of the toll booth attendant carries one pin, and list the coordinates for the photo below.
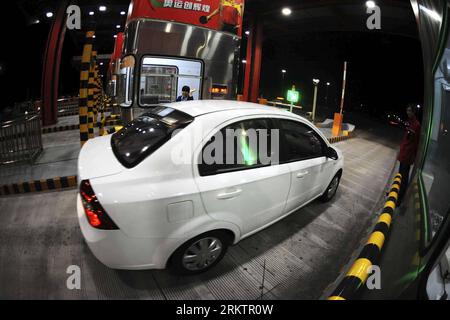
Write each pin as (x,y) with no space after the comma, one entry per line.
(185,94)
(408,149)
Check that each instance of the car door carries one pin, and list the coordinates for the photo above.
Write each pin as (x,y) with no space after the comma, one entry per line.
(304,151)
(245,189)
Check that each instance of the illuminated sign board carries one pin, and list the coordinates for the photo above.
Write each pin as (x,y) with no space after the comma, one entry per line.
(221,15)
(293,96)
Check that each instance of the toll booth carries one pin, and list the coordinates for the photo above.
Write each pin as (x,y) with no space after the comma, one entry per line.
(171,44)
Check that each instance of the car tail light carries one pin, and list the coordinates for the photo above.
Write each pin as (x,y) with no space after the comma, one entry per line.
(96,215)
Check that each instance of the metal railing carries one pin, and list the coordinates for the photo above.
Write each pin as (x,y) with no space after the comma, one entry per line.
(20,139)
(67,107)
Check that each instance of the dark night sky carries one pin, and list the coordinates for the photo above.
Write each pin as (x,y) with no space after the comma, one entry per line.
(384,72)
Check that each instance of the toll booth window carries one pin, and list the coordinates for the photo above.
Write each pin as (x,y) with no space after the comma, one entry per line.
(162,79)
(125,81)
(144,135)
(436,170)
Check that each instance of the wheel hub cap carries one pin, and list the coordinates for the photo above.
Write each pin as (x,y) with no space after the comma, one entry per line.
(202,254)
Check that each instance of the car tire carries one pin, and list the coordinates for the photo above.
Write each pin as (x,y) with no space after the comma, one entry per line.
(331,189)
(200,254)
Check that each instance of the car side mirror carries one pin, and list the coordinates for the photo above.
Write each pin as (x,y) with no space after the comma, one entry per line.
(332,154)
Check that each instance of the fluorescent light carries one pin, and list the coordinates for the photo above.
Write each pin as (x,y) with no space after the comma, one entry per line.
(370,4)
(122,13)
(286,11)
(91,13)
(118,26)
(49,14)
(102,8)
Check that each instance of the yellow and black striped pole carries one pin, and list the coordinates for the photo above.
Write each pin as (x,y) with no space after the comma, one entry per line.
(84,87)
(91,88)
(359,272)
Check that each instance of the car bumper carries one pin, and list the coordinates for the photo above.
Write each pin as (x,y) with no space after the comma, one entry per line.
(118,251)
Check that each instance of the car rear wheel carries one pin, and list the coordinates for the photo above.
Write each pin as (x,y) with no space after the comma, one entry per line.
(331,190)
(200,253)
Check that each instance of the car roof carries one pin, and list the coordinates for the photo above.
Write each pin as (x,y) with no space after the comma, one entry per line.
(202,107)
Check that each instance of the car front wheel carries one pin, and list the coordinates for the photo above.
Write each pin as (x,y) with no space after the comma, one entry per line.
(331,190)
(200,253)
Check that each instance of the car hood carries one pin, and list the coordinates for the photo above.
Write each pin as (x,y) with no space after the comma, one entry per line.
(97,159)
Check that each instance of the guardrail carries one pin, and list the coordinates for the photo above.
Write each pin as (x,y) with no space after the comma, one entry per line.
(67,107)
(369,256)
(20,139)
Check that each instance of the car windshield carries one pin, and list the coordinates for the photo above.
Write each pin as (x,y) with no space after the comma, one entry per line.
(144,135)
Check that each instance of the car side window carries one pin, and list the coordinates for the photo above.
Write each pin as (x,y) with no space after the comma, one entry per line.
(301,142)
(239,146)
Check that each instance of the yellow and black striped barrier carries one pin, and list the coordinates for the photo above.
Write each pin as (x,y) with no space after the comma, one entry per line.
(107,123)
(60,129)
(341,138)
(68,114)
(57,183)
(84,87)
(113,130)
(91,90)
(359,271)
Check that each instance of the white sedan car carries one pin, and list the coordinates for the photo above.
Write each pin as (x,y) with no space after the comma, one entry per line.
(179,184)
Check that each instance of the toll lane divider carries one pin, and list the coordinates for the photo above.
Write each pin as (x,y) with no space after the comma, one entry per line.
(341,138)
(57,183)
(370,254)
(108,123)
(60,183)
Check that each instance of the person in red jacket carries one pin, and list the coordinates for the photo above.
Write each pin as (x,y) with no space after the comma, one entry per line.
(408,149)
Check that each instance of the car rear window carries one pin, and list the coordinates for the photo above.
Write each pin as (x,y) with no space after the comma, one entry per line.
(144,135)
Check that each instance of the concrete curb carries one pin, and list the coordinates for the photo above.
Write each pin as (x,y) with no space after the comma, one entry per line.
(370,254)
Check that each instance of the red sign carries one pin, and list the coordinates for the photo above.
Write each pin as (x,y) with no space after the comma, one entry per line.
(222,15)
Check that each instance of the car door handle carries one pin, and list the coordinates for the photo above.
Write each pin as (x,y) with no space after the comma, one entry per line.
(229,195)
(303,174)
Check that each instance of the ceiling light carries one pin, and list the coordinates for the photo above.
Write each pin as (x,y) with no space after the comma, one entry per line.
(49,14)
(286,11)
(102,8)
(370,4)
(122,13)
(247,32)
(91,13)
(118,26)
